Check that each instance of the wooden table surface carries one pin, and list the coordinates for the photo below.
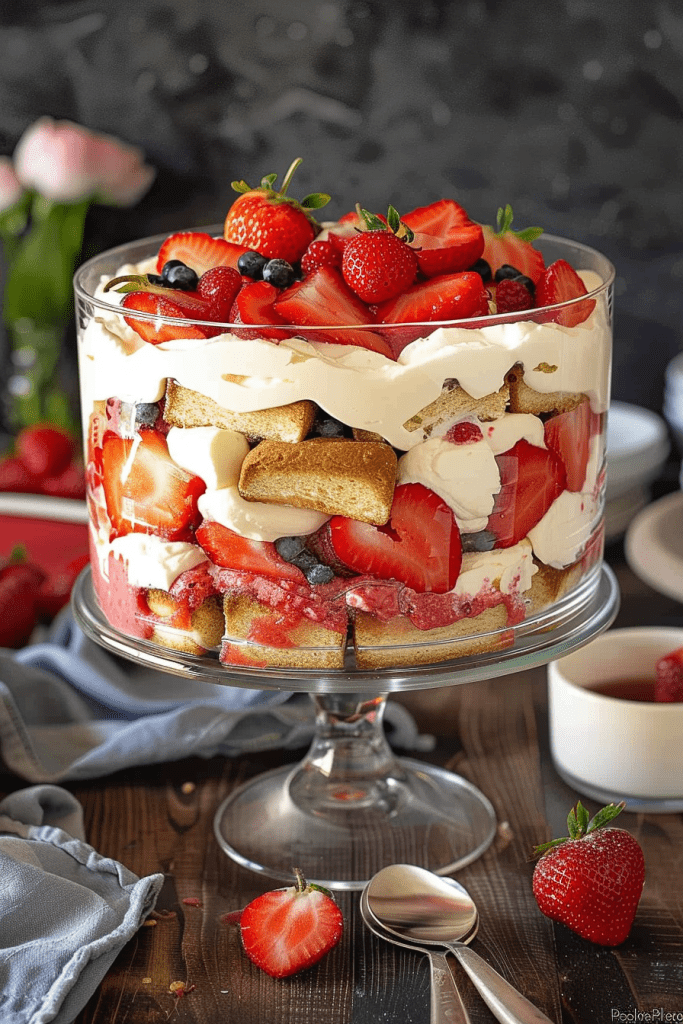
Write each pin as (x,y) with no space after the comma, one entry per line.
(494,734)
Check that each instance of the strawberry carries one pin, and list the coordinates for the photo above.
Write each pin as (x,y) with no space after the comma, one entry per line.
(287,930)
(19,583)
(219,287)
(145,491)
(255,304)
(669,677)
(15,477)
(54,592)
(447,297)
(514,248)
(568,435)
(229,550)
(158,306)
(531,478)
(561,283)
(512,296)
(70,483)
(445,238)
(324,253)
(378,264)
(270,222)
(199,250)
(591,880)
(323,299)
(419,546)
(44,450)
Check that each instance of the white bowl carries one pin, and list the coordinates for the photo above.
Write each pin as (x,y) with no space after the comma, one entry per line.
(612,749)
(637,448)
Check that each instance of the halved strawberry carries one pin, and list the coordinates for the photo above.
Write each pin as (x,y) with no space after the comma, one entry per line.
(218,287)
(531,478)
(156,305)
(145,490)
(446,240)
(255,304)
(505,246)
(419,546)
(447,297)
(569,435)
(323,299)
(229,550)
(199,250)
(561,283)
(669,677)
(286,930)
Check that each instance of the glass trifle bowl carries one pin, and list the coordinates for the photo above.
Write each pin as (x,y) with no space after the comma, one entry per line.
(345,509)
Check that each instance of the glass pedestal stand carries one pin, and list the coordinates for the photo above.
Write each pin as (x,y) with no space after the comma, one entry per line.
(351,806)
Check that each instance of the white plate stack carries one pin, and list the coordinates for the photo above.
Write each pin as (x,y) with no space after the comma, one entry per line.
(637,448)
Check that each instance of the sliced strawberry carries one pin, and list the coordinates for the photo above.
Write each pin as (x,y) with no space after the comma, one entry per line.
(447,297)
(199,250)
(145,490)
(287,930)
(229,550)
(255,304)
(514,248)
(323,299)
(219,287)
(669,677)
(419,546)
(561,283)
(156,305)
(446,240)
(569,435)
(531,478)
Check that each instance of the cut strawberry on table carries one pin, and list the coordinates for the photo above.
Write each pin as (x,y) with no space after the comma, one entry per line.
(323,299)
(669,677)
(270,222)
(156,305)
(287,930)
(531,479)
(514,248)
(568,435)
(560,283)
(199,250)
(591,880)
(229,550)
(145,490)
(419,546)
(445,239)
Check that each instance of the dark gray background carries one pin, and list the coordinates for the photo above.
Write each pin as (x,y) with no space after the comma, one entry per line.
(570,111)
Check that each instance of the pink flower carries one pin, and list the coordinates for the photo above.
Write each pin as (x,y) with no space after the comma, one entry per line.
(11,188)
(66,162)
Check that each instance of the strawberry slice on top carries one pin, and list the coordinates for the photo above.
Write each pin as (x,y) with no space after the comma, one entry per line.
(419,546)
(255,304)
(514,248)
(155,305)
(145,490)
(531,479)
(199,250)
(561,283)
(445,239)
(229,550)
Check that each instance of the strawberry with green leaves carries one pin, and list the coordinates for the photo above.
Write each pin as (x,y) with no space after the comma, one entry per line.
(287,930)
(591,880)
(270,222)
(378,263)
(505,247)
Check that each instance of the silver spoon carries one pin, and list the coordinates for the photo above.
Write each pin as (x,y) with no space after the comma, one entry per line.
(416,905)
(446,1005)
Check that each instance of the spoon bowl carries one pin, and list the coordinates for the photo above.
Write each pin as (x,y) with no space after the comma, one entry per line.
(418,907)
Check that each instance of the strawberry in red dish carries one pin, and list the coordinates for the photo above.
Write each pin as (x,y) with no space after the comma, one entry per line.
(145,490)
(419,546)
(199,250)
(20,581)
(505,247)
(271,222)
(568,435)
(561,283)
(323,299)
(445,239)
(45,450)
(287,930)
(15,477)
(531,479)
(378,263)
(229,550)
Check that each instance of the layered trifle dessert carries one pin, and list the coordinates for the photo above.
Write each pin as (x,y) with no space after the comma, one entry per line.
(373,441)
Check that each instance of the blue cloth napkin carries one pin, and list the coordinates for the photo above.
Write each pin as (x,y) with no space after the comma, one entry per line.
(65,911)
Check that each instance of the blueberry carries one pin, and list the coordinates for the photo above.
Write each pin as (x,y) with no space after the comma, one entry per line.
(329,427)
(155,279)
(278,272)
(289,547)
(484,540)
(482,268)
(319,573)
(176,274)
(507,271)
(251,264)
(527,282)
(146,414)
(305,560)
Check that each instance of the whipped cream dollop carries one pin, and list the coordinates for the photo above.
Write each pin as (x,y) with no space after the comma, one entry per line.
(510,569)
(211,453)
(150,561)
(258,520)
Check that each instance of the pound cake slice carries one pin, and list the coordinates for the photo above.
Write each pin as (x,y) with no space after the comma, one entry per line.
(187,408)
(454,403)
(524,399)
(182,628)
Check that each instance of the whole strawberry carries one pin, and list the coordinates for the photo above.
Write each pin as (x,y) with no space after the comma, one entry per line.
(591,881)
(286,930)
(20,580)
(45,450)
(378,263)
(271,223)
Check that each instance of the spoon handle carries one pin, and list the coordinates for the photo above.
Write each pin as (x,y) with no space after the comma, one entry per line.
(447,1006)
(504,1001)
